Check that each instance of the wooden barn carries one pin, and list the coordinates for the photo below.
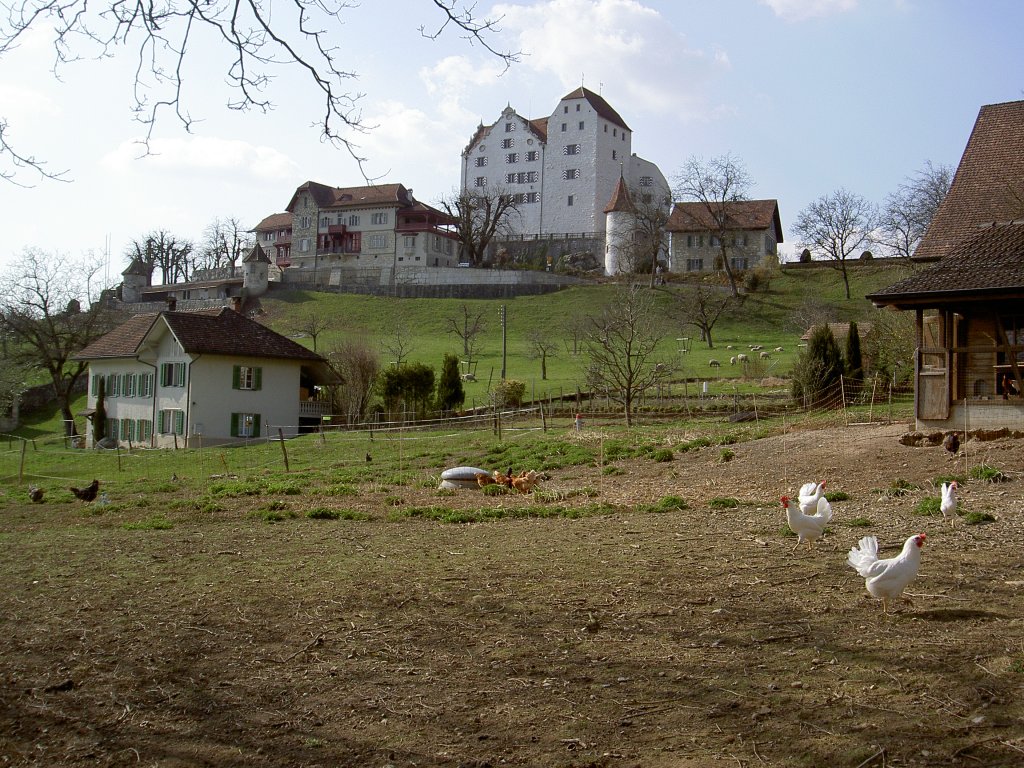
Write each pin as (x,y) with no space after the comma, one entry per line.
(969,304)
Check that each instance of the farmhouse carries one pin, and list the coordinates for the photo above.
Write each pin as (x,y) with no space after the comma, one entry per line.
(185,379)
(753,227)
(969,305)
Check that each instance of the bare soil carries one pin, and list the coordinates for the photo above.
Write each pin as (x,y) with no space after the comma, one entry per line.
(683,638)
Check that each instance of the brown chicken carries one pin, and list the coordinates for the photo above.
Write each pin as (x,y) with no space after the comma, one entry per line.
(35,493)
(89,492)
(525,482)
(482,479)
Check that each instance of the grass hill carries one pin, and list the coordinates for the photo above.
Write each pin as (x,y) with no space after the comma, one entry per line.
(767,317)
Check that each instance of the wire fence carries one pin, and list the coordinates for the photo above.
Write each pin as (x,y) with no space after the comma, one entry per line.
(394,447)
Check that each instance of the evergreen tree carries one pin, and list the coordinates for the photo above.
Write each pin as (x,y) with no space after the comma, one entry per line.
(854,360)
(817,373)
(450,394)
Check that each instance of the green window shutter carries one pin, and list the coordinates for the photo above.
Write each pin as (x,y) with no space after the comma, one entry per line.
(236,376)
(234,425)
(179,422)
(256,424)
(161,426)
(164,368)
(257,378)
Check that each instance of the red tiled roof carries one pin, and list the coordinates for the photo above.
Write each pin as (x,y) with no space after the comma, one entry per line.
(353,197)
(602,107)
(989,182)
(274,222)
(989,265)
(214,332)
(621,200)
(742,215)
(539,126)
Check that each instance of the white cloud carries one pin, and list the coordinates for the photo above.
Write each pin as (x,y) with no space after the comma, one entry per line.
(199,154)
(802,10)
(23,106)
(622,44)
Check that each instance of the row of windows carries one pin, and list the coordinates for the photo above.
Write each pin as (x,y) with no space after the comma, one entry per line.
(123,385)
(512,157)
(523,177)
(129,430)
(697,241)
(738,262)
(437,242)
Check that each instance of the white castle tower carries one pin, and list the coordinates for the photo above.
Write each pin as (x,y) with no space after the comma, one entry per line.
(619,222)
(255,272)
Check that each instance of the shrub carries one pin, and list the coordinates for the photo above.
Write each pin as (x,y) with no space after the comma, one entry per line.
(859,522)
(928,506)
(837,496)
(662,454)
(726,454)
(509,393)
(978,518)
(724,502)
(987,473)
(818,370)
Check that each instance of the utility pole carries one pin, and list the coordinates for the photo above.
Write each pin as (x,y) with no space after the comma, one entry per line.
(501,314)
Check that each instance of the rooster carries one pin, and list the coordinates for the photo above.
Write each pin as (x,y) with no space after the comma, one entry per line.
(952,443)
(809,496)
(886,579)
(35,493)
(948,505)
(807,527)
(525,482)
(89,492)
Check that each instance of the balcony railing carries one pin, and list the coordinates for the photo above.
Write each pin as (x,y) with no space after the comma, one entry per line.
(338,250)
(313,408)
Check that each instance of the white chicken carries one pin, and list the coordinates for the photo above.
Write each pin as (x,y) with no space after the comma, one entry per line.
(948,505)
(886,579)
(807,527)
(809,495)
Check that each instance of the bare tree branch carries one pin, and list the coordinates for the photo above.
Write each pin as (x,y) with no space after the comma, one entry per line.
(259,39)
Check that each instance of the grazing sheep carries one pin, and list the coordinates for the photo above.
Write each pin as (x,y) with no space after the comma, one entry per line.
(732,360)
(764,355)
(779,349)
(756,347)
(729,346)
(714,364)
(742,358)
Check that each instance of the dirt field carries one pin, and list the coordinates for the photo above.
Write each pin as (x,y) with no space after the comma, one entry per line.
(684,638)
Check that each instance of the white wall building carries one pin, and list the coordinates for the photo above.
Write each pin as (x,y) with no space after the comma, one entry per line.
(562,168)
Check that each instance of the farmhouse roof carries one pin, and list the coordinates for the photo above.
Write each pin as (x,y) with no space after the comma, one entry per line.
(602,107)
(741,215)
(839,330)
(989,182)
(214,332)
(989,265)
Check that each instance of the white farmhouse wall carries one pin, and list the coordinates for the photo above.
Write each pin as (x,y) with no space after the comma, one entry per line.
(120,406)
(212,399)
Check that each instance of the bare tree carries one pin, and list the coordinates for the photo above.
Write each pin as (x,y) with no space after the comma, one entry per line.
(576,328)
(225,243)
(358,366)
(542,346)
(254,40)
(468,327)
(701,305)
(162,250)
(909,210)
(480,215)
(621,342)
(837,225)
(716,184)
(311,323)
(397,341)
(42,296)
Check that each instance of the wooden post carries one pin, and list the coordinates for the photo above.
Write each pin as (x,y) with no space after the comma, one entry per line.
(21,467)
(543,419)
(842,396)
(118,450)
(280,433)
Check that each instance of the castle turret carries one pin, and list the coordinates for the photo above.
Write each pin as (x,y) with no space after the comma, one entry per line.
(136,277)
(255,272)
(619,225)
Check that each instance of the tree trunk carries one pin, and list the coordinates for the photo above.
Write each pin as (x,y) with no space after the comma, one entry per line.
(846,279)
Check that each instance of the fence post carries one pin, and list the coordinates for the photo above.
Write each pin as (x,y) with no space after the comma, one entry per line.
(280,434)
(21,467)
(543,419)
(842,396)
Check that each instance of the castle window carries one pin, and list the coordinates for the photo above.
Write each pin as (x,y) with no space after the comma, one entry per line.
(379,218)
(581,125)
(508,143)
(481,181)
(569,201)
(646,181)
(563,127)
(571,149)
(512,157)
(510,127)
(565,110)
(532,155)
(615,155)
(481,161)
(571,173)
(577,107)
(615,132)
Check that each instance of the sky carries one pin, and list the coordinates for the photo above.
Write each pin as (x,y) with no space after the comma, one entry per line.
(810,95)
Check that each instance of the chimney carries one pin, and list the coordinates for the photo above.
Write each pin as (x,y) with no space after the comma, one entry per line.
(172,303)
(236,304)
